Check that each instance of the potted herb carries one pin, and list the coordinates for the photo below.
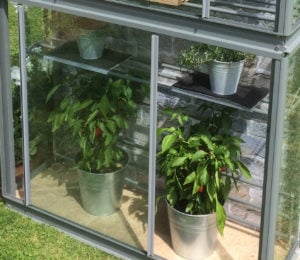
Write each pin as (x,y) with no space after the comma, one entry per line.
(199,163)
(224,65)
(94,113)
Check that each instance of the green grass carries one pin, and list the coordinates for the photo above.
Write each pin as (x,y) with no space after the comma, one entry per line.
(22,238)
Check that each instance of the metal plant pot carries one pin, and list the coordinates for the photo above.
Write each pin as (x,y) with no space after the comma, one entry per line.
(224,77)
(90,44)
(101,193)
(193,236)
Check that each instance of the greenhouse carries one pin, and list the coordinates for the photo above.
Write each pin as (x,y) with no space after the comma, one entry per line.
(155,129)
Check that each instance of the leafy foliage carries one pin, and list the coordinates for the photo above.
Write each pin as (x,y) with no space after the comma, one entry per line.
(95,112)
(39,83)
(200,163)
(196,55)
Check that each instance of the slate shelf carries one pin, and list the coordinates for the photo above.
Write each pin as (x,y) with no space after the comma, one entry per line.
(191,85)
(68,54)
(198,86)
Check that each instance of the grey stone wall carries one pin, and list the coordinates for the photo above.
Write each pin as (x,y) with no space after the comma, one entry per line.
(252,127)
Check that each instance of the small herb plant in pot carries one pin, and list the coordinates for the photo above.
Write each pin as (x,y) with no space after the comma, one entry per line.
(199,163)
(94,113)
(224,65)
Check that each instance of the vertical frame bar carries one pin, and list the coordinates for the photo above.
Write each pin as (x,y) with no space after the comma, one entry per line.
(6,108)
(205,8)
(24,102)
(284,13)
(272,173)
(152,145)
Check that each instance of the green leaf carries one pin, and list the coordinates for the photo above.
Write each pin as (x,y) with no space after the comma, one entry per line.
(229,163)
(131,104)
(108,139)
(195,188)
(167,142)
(206,140)
(91,127)
(173,151)
(227,187)
(181,120)
(244,170)
(194,141)
(104,105)
(64,103)
(190,178)
(108,157)
(211,190)
(128,92)
(85,104)
(198,155)
(217,179)
(91,116)
(83,145)
(160,131)
(179,161)
(221,217)
(119,120)
(202,175)
(99,165)
(51,93)
(111,125)
(189,207)
(172,196)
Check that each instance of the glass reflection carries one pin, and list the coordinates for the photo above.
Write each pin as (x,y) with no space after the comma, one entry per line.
(88,91)
(16,99)
(289,193)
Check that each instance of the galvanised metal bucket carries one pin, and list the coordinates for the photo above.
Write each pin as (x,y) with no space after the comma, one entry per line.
(224,77)
(101,193)
(90,44)
(193,236)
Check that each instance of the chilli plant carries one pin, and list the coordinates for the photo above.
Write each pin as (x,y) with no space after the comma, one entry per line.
(95,112)
(200,162)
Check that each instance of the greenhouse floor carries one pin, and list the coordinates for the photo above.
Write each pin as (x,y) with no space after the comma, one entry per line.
(55,189)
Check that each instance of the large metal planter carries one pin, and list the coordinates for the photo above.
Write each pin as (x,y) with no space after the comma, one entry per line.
(193,236)
(101,194)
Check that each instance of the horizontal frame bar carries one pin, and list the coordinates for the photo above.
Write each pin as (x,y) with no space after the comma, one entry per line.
(259,43)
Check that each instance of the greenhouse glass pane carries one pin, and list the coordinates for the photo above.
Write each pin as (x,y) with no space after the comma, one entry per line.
(288,222)
(251,13)
(261,14)
(185,87)
(88,92)
(177,7)
(16,98)
(296,11)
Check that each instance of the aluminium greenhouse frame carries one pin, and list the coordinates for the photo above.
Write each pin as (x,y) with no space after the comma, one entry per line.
(277,46)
